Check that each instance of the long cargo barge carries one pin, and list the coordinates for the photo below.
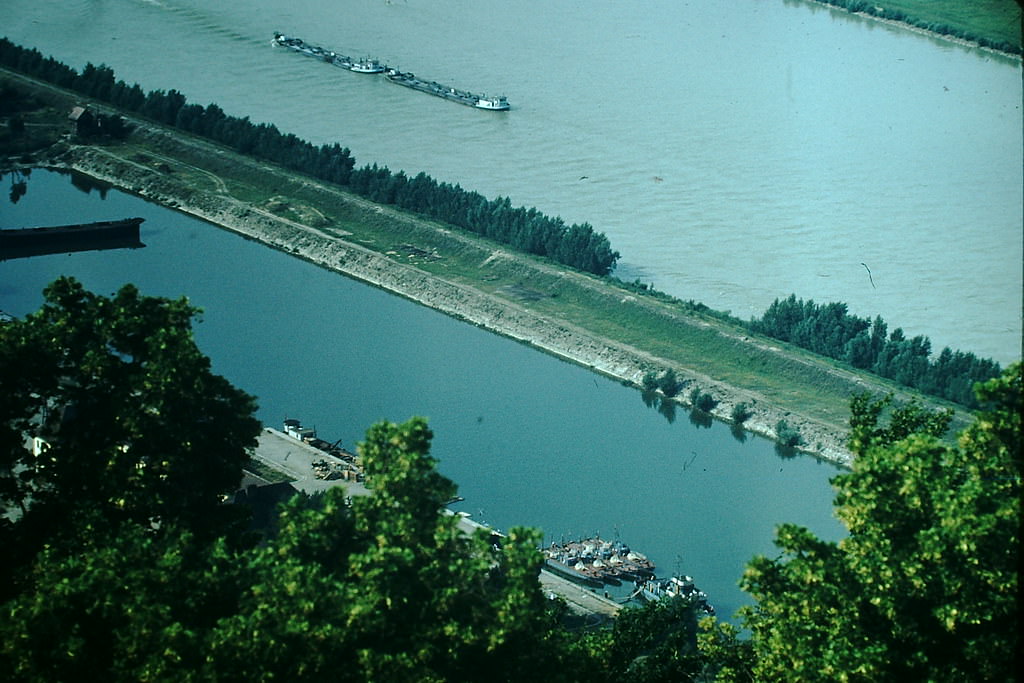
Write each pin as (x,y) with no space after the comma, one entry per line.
(359,66)
(409,80)
(59,239)
(446,92)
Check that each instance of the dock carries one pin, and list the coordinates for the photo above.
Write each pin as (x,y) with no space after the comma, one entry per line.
(299,460)
(296,459)
(581,600)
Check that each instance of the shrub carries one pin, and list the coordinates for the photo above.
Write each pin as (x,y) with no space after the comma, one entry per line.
(669,383)
(702,401)
(740,413)
(706,402)
(786,435)
(649,382)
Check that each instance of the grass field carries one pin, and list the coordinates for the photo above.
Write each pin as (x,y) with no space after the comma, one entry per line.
(998,21)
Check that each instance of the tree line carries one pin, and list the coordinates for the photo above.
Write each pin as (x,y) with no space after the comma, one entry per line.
(577,246)
(122,562)
(829,330)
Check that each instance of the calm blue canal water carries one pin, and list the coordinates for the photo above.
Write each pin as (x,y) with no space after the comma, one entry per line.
(531,440)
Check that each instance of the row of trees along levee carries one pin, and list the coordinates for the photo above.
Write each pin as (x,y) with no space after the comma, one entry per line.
(121,562)
(578,246)
(824,329)
(829,330)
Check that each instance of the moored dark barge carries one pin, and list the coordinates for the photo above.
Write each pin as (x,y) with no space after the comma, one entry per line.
(59,239)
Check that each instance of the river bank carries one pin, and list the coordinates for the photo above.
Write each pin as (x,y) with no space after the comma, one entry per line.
(913,25)
(594,322)
(570,342)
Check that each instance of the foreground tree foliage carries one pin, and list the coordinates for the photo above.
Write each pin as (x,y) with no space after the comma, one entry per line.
(133,425)
(120,563)
(925,587)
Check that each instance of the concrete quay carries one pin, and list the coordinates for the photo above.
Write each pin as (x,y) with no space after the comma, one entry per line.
(295,459)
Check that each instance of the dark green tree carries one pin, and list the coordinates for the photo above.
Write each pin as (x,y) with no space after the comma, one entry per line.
(786,435)
(649,381)
(118,604)
(388,587)
(740,413)
(109,407)
(669,383)
(925,587)
(653,643)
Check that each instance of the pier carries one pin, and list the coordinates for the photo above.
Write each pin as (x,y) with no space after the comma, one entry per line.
(297,459)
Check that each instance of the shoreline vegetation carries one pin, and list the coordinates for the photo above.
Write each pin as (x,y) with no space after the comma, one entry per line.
(677,352)
(993,25)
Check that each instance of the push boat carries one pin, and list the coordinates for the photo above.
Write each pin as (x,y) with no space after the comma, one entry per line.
(654,589)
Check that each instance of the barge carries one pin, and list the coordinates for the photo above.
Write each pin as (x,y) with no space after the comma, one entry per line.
(359,66)
(594,561)
(447,92)
(409,80)
(61,239)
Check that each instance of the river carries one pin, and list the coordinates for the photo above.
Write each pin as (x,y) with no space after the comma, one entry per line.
(732,152)
(530,439)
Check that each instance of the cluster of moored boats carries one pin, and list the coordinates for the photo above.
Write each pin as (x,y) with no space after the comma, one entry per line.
(595,562)
(374,66)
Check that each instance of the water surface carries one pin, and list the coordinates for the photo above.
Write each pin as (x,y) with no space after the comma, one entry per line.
(733,152)
(530,439)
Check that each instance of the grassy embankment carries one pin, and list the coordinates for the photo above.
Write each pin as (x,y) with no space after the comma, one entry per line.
(670,332)
(998,21)
(799,381)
